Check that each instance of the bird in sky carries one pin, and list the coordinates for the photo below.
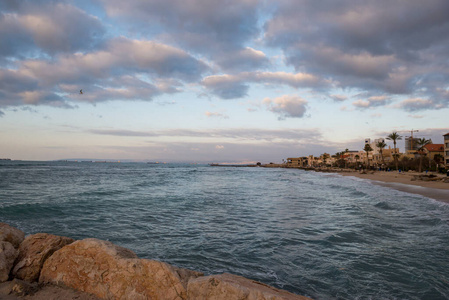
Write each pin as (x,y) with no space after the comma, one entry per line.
(81,91)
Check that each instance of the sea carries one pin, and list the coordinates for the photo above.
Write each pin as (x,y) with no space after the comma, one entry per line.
(316,234)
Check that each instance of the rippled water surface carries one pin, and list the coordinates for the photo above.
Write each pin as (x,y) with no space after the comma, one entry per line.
(315,234)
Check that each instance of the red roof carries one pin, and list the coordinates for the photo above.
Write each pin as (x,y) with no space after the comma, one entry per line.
(434,147)
(445,134)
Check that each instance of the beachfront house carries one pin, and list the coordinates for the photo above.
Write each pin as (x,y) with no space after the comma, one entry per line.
(389,154)
(431,150)
(313,161)
(327,159)
(446,149)
(297,162)
(350,156)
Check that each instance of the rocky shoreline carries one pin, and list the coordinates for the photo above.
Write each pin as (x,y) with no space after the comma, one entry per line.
(46,266)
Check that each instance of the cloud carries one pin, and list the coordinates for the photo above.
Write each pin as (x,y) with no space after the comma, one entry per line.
(435,134)
(226,86)
(243,59)
(235,134)
(236,86)
(234,144)
(338,98)
(216,114)
(417,104)
(368,45)
(123,69)
(374,101)
(287,106)
(219,30)
(416,116)
(47,27)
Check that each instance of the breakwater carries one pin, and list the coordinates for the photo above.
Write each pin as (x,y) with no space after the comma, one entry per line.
(108,271)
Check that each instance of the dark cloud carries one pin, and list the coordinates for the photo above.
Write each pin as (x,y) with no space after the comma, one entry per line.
(236,86)
(218,29)
(338,98)
(47,27)
(388,46)
(50,49)
(226,86)
(123,69)
(418,104)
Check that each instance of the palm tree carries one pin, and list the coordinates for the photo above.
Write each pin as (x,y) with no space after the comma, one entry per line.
(381,145)
(421,143)
(325,157)
(368,149)
(394,137)
(356,158)
(346,152)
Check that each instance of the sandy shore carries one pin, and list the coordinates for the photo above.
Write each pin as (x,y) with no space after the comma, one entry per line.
(403,181)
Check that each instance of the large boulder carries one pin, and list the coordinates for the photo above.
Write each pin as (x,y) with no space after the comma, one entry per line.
(11,235)
(10,239)
(7,256)
(112,272)
(33,252)
(227,286)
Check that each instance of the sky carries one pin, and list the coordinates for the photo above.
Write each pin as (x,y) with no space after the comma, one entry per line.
(218,80)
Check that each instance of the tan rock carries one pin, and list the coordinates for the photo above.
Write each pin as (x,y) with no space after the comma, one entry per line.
(7,256)
(21,288)
(33,252)
(112,272)
(11,235)
(227,286)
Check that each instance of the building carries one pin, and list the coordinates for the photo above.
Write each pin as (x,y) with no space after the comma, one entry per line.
(388,155)
(327,159)
(411,144)
(433,149)
(297,162)
(354,156)
(373,145)
(446,149)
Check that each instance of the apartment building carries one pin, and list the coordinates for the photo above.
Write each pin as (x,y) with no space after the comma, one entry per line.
(446,149)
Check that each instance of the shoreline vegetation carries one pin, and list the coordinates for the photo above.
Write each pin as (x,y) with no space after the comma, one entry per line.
(431,184)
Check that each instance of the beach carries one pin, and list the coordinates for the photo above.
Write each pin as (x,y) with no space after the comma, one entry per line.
(404,181)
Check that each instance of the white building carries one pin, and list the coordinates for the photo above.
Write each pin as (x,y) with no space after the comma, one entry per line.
(373,145)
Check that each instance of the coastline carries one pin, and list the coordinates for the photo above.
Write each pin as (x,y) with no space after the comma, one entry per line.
(404,181)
